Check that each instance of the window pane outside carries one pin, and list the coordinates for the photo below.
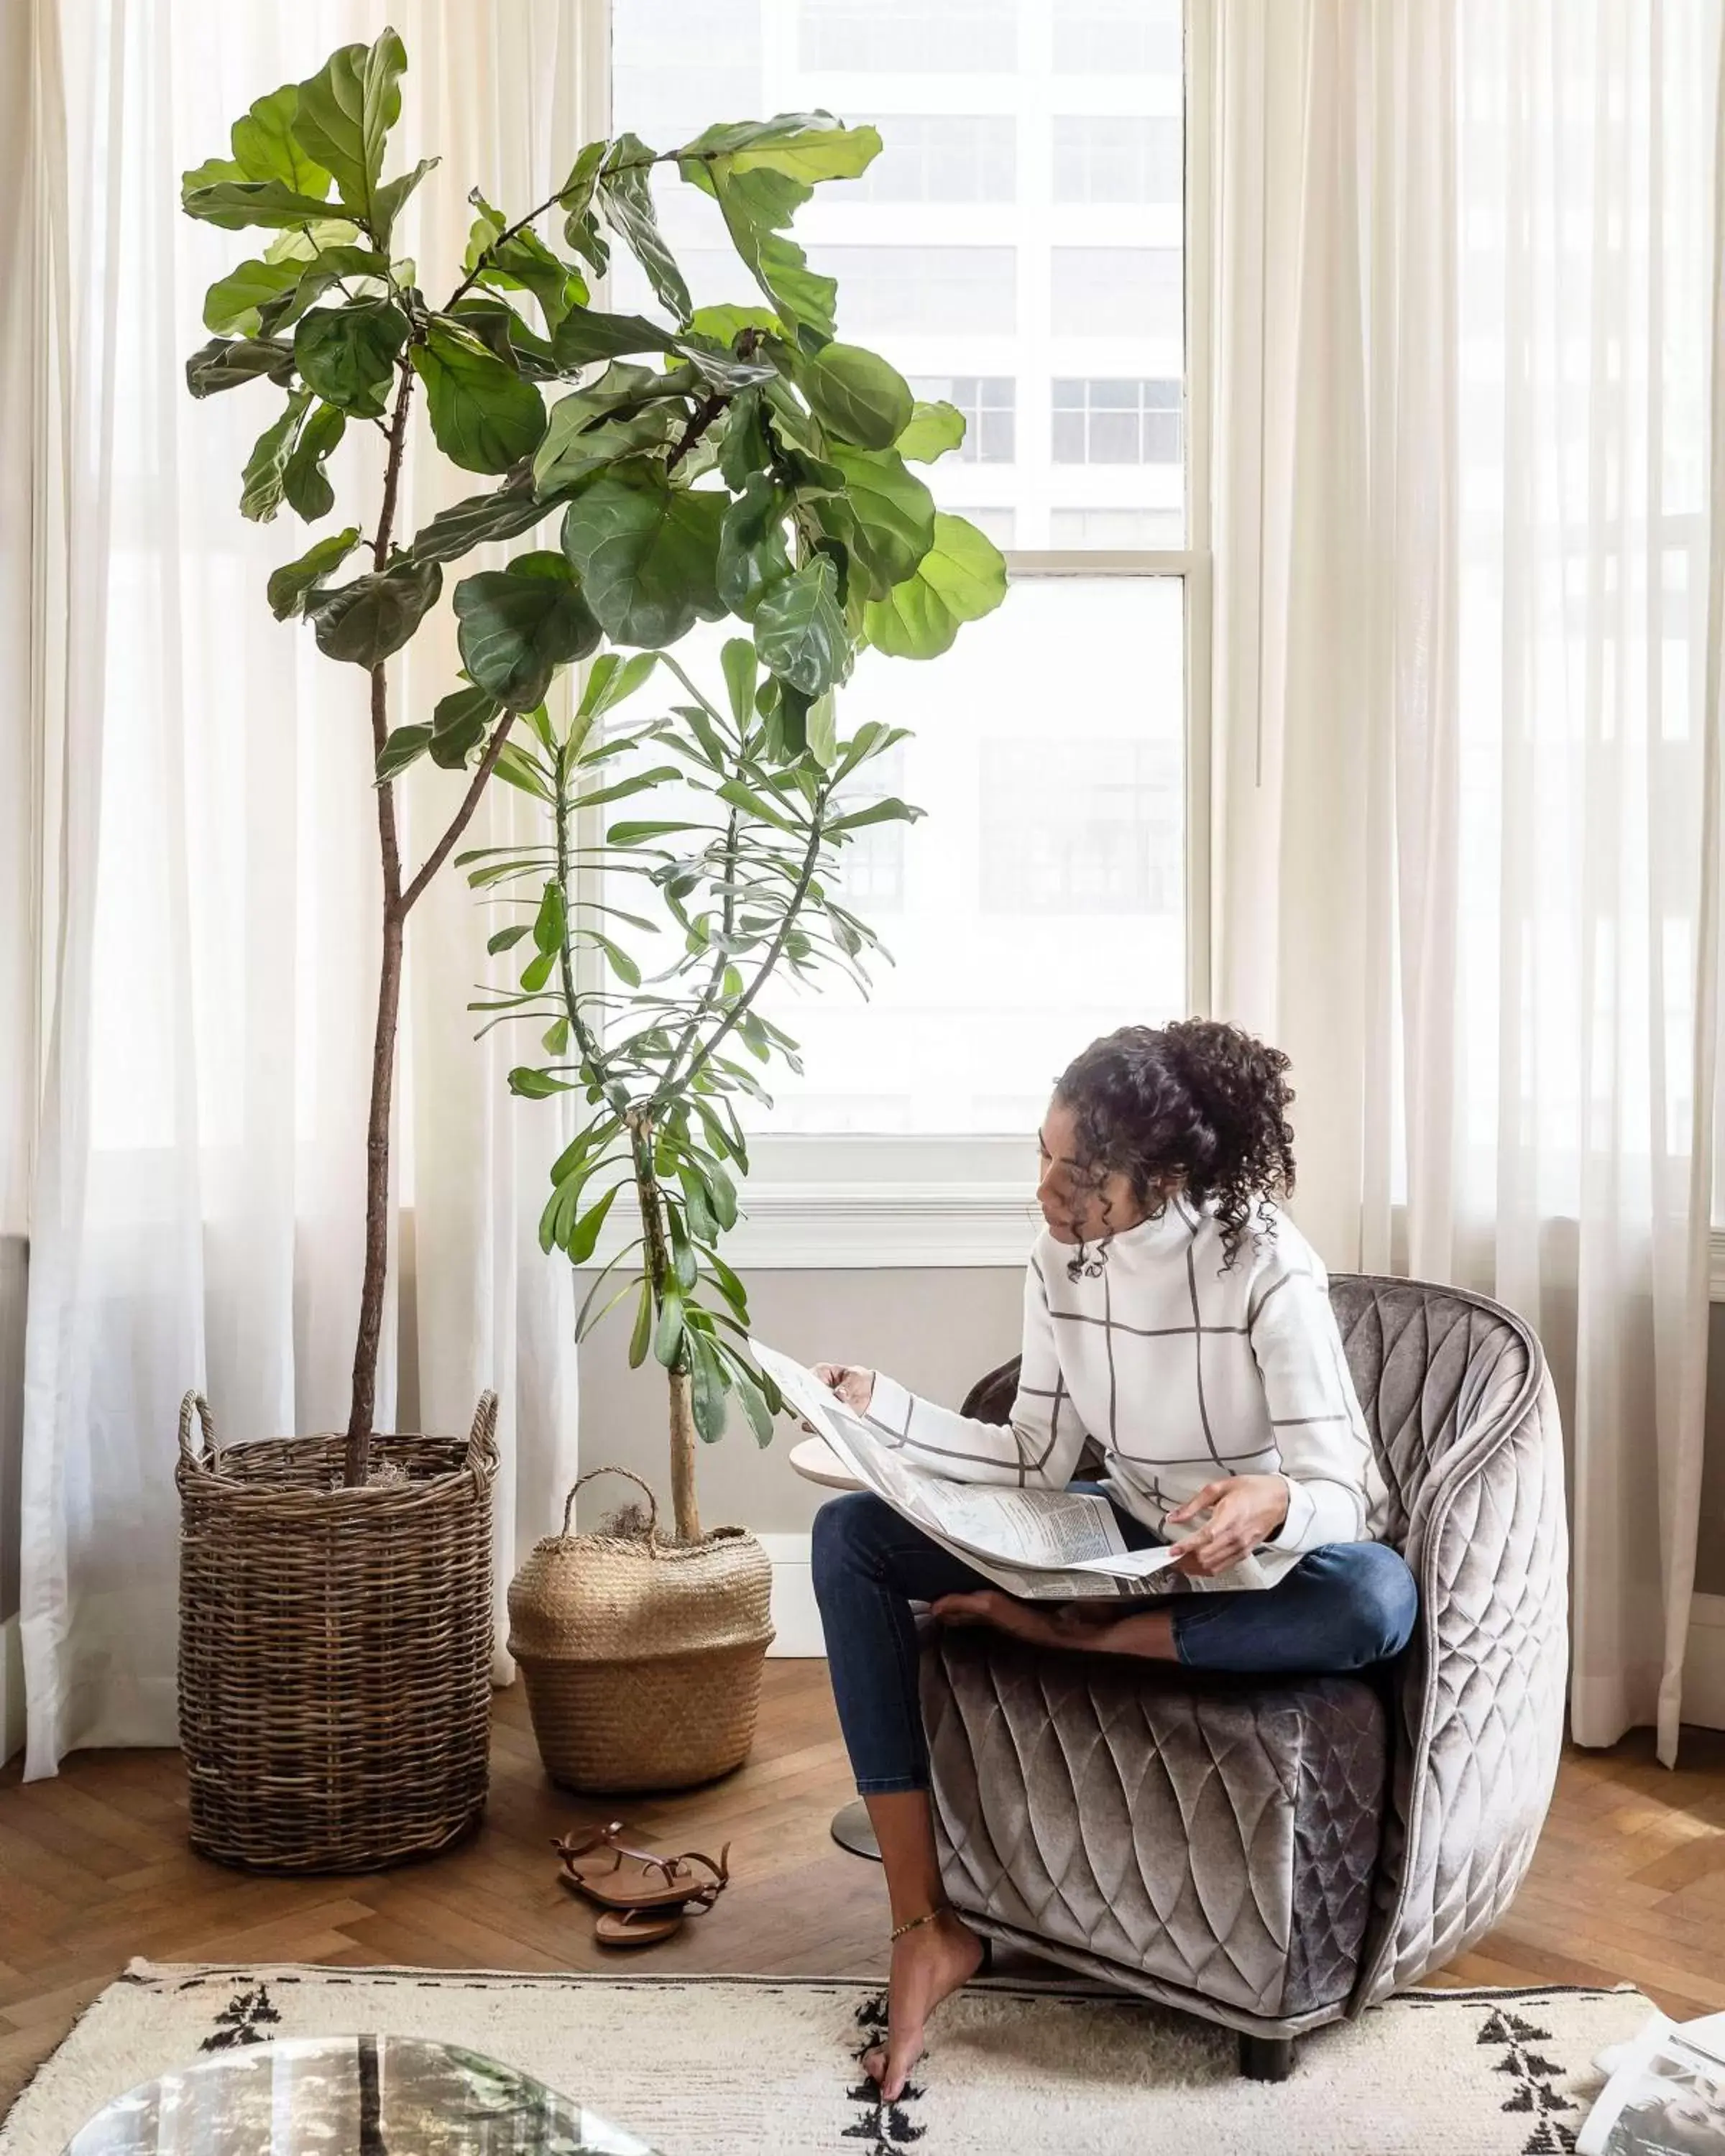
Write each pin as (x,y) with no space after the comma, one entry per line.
(1023,224)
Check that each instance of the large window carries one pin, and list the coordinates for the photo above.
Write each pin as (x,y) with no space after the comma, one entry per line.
(1018,250)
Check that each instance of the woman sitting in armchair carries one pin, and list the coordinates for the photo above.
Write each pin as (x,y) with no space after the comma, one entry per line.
(1175,1315)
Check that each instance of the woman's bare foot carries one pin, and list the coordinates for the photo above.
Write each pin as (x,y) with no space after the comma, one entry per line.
(988,1605)
(928,1965)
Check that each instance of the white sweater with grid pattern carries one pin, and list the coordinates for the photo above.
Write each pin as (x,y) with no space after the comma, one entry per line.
(1184,1371)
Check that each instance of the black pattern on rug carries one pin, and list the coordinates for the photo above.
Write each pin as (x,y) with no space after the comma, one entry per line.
(1534,2074)
(242,2020)
(884,2127)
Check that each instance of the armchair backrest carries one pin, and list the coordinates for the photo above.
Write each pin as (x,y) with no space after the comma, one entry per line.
(1432,1365)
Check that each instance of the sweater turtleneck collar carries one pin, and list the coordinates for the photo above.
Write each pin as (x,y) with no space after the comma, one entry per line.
(1158,1231)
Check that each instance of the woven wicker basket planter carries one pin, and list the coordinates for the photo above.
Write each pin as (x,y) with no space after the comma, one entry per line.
(335,1645)
(642,1657)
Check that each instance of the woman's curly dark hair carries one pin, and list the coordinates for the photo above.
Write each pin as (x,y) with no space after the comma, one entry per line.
(1198,1102)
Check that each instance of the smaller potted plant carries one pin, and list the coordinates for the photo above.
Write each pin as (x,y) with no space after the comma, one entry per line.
(642,1651)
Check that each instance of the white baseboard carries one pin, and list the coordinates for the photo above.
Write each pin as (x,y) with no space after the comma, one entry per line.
(12,1689)
(1704,1664)
(796,1620)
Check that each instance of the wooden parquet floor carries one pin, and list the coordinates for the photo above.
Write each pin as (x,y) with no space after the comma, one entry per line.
(1629,1883)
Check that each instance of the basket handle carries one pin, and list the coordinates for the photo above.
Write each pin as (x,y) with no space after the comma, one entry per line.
(482,1440)
(629,1476)
(194,1400)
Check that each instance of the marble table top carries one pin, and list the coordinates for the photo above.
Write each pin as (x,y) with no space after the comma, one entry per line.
(349,2096)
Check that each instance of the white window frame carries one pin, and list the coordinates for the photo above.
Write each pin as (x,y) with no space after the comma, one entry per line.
(852,1200)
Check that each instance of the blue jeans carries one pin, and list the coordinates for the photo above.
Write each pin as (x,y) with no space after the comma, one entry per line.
(1341,1608)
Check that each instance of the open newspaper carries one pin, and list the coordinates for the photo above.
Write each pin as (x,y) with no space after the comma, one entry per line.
(1666,2095)
(1041,1545)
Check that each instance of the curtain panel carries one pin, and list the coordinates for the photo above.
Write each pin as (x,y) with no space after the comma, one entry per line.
(1467,819)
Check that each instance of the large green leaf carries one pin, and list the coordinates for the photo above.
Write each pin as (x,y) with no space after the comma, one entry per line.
(484,418)
(478,520)
(231,305)
(581,227)
(856,396)
(578,439)
(459,723)
(507,335)
(289,586)
(519,624)
(266,148)
(365,621)
(261,482)
(224,363)
(348,354)
(305,482)
(386,200)
(722,369)
(805,147)
(933,429)
(647,552)
(585,334)
(233,204)
(723,325)
(345,111)
(961,577)
(799,630)
(330,265)
(891,512)
(624,193)
(743,447)
(753,555)
(758,201)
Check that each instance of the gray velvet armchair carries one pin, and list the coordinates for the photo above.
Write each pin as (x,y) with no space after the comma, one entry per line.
(1274,1854)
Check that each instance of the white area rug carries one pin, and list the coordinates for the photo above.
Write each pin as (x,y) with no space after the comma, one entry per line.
(760,2066)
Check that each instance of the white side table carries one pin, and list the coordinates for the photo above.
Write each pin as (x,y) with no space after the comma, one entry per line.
(815,1461)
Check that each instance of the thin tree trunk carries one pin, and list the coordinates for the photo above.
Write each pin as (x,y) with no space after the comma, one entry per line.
(682,1458)
(376,1260)
(357,1462)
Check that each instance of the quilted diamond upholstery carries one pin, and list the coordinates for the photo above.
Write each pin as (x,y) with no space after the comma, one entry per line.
(1277,1853)
(1222,1838)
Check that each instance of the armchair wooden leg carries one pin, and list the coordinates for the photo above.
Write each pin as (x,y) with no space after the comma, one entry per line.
(1266,2058)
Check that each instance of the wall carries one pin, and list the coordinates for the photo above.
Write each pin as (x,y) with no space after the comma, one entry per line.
(937,1331)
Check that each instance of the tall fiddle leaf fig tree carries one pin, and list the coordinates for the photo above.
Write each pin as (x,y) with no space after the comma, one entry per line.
(721,461)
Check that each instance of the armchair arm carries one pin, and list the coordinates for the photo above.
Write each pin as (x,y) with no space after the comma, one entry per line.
(1481,1698)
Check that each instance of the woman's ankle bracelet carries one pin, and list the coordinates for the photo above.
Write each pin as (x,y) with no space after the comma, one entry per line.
(916,1923)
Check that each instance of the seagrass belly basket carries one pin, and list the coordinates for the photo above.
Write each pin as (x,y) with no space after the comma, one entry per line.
(335,1645)
(642,1656)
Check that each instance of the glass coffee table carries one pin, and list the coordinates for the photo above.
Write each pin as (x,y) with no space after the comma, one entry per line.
(349,2096)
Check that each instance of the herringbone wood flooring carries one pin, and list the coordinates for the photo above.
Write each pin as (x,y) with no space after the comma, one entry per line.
(1630,1881)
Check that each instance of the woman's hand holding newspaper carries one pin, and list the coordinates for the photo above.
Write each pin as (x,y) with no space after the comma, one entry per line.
(855,1388)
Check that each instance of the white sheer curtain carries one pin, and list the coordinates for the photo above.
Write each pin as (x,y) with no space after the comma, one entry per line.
(1467,827)
(211,851)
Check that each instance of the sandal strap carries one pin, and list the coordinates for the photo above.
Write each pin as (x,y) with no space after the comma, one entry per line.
(605,1837)
(721,1871)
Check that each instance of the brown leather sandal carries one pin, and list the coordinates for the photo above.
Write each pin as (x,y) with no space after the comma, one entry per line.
(661,1883)
(636,1928)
